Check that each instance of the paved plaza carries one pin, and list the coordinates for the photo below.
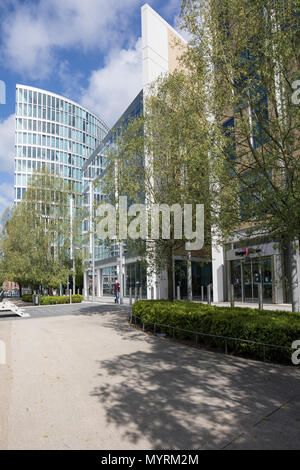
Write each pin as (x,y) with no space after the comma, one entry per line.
(80,377)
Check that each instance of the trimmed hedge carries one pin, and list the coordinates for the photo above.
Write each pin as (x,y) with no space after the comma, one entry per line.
(52,300)
(274,327)
(57,299)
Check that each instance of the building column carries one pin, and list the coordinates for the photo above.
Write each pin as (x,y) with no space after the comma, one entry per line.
(99,283)
(85,284)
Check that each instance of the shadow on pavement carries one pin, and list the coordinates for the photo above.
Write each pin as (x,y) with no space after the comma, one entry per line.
(178,397)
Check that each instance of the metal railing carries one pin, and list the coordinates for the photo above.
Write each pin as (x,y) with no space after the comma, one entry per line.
(134,319)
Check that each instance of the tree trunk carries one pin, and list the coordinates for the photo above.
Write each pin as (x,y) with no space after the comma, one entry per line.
(20,290)
(294,274)
(170,271)
(189,277)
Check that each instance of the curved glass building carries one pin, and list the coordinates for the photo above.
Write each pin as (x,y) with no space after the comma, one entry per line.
(53,133)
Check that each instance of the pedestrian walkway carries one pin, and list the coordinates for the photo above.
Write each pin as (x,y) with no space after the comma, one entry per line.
(89,380)
(285,307)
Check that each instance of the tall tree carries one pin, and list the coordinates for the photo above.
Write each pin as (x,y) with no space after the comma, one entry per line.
(161,158)
(36,238)
(251,50)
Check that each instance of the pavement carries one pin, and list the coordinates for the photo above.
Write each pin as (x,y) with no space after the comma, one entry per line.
(266,306)
(80,377)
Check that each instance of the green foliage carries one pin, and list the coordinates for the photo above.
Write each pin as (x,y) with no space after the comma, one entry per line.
(270,327)
(251,50)
(64,299)
(35,239)
(162,158)
(27,298)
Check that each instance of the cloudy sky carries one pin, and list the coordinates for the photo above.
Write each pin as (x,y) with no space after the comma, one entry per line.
(86,50)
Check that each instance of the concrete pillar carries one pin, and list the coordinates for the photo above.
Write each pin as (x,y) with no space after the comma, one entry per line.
(99,283)
(85,284)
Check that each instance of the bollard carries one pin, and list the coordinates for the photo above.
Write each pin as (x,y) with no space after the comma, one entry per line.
(231,293)
(140,293)
(178,292)
(202,293)
(135,294)
(70,294)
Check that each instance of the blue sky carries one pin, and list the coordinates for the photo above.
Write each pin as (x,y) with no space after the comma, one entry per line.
(86,50)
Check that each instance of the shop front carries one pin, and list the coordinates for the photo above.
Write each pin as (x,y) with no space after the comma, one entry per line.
(246,276)
(251,265)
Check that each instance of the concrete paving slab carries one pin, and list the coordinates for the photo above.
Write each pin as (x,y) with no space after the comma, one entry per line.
(89,380)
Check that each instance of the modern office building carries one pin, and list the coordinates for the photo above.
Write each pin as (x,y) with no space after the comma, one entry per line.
(53,133)
(161,48)
(106,254)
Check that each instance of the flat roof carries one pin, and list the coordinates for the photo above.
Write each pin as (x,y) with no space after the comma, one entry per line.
(56,95)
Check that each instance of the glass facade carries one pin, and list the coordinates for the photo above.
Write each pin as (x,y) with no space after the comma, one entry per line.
(246,276)
(93,169)
(54,134)
(201,276)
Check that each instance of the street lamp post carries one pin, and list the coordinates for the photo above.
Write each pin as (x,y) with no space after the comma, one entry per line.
(92,239)
(121,272)
(72,250)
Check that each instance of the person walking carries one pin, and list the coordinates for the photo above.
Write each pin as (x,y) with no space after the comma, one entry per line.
(117,290)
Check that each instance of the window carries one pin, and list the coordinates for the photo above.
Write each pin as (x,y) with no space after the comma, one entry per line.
(260,116)
(228,127)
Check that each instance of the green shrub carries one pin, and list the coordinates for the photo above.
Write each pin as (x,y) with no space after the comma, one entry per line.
(27,298)
(272,327)
(60,299)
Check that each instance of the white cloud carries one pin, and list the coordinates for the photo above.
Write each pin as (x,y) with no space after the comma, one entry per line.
(7,144)
(112,88)
(34,32)
(6,196)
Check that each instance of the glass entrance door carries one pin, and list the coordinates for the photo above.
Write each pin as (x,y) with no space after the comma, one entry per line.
(236,279)
(248,282)
(245,276)
(255,279)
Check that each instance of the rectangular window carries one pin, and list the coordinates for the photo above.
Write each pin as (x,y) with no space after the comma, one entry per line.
(260,117)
